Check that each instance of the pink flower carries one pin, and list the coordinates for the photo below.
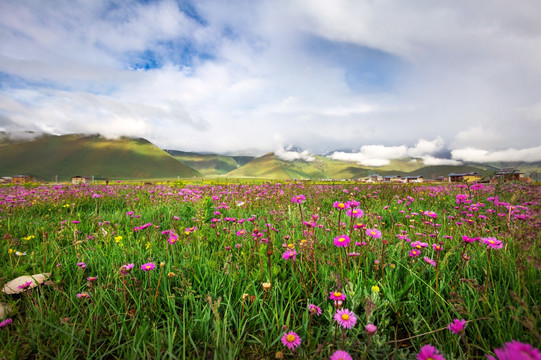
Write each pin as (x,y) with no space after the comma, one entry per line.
(429,352)
(82,265)
(148,266)
(340,205)
(375,233)
(515,350)
(291,340)
(92,278)
(414,253)
(26,285)
(492,243)
(298,199)
(429,261)
(5,322)
(314,309)
(342,241)
(173,239)
(83,295)
(345,318)
(457,326)
(341,355)
(370,329)
(124,269)
(337,296)
(290,254)
(356,213)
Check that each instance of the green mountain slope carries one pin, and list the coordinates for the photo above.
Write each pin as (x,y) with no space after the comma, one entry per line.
(90,155)
(210,164)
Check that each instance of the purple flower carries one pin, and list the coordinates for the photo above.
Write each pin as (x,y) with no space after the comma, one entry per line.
(82,265)
(26,285)
(515,350)
(492,243)
(345,318)
(291,340)
(341,355)
(342,241)
(298,199)
(5,322)
(370,329)
(457,326)
(289,255)
(375,233)
(314,309)
(148,266)
(429,352)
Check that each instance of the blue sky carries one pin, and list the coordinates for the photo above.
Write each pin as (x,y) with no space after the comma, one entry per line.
(361,80)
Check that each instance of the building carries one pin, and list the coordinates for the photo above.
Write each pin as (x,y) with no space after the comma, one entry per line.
(80,180)
(414,179)
(509,174)
(22,179)
(464,177)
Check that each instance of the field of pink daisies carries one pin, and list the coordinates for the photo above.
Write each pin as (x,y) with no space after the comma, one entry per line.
(270,271)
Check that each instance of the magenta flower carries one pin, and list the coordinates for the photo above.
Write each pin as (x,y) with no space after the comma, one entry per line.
(375,233)
(341,355)
(314,309)
(342,241)
(414,253)
(82,265)
(290,254)
(148,266)
(340,205)
(124,269)
(337,296)
(5,322)
(355,213)
(345,318)
(92,278)
(371,329)
(298,199)
(26,285)
(492,243)
(291,340)
(515,350)
(457,326)
(429,352)
(83,295)
(173,239)
(429,261)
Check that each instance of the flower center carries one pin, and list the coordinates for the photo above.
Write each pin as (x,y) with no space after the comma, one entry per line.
(341,239)
(491,241)
(337,294)
(341,206)
(345,317)
(290,338)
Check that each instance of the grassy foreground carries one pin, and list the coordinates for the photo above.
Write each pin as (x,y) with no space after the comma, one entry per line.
(229,271)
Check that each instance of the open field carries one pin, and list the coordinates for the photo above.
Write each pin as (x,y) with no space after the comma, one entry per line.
(246,271)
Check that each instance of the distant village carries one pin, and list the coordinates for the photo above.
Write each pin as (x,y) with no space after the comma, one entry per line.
(506,174)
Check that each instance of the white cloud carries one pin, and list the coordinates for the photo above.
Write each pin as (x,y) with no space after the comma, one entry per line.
(478,155)
(381,155)
(288,155)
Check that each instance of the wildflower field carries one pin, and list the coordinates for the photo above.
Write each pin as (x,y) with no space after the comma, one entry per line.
(272,270)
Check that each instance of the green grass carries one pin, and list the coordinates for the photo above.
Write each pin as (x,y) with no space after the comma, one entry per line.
(207,301)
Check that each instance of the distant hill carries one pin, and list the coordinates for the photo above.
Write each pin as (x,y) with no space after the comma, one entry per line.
(89,155)
(210,164)
(272,167)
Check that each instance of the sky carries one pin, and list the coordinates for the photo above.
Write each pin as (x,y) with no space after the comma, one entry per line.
(359,80)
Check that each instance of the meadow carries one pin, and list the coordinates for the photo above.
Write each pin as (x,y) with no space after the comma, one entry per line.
(276,270)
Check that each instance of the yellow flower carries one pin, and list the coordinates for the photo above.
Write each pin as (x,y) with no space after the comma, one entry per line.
(118,238)
(291,246)
(147,245)
(11,251)
(375,289)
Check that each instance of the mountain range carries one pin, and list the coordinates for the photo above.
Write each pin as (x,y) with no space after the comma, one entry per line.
(51,157)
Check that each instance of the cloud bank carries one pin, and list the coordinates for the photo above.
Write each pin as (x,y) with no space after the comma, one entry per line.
(228,76)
